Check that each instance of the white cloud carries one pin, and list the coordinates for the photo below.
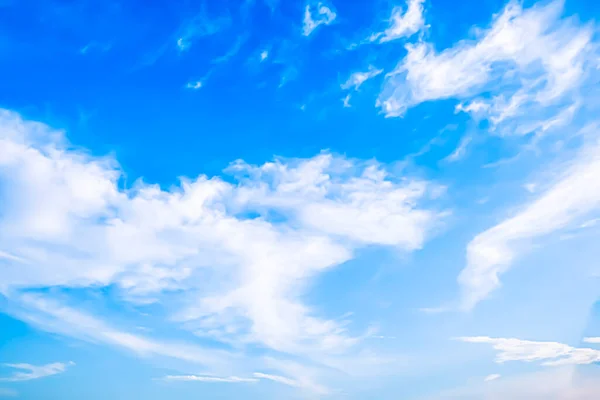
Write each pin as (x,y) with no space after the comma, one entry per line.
(358,78)
(402,24)
(531,57)
(182,44)
(306,377)
(550,353)
(346,101)
(194,85)
(492,377)
(369,207)
(302,381)
(316,15)
(52,316)
(473,107)
(590,223)
(67,222)
(460,150)
(575,195)
(276,378)
(34,371)
(264,55)
(209,379)
(11,257)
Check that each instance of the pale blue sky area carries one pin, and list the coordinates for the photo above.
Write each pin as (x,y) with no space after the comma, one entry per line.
(267,199)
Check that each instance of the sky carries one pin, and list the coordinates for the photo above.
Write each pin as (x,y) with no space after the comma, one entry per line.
(267,199)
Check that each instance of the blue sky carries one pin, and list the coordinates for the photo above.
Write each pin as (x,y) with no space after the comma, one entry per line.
(269,199)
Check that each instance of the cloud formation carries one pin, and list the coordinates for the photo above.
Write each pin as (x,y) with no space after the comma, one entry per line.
(491,253)
(549,353)
(529,57)
(358,78)
(194,85)
(316,15)
(34,371)
(492,377)
(235,257)
(402,23)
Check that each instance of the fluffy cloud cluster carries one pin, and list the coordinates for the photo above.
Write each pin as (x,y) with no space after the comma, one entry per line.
(529,72)
(236,257)
(529,59)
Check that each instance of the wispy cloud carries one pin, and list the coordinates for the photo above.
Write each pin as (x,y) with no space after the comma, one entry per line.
(34,371)
(315,16)
(147,241)
(199,83)
(532,50)
(492,377)
(358,78)
(473,107)
(199,26)
(277,378)
(209,379)
(194,85)
(233,51)
(460,150)
(402,23)
(11,257)
(294,374)
(346,101)
(289,74)
(575,195)
(102,47)
(590,223)
(52,316)
(549,353)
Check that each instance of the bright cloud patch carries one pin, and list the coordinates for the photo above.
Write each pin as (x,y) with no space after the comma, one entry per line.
(210,245)
(532,57)
(358,78)
(549,353)
(573,197)
(316,15)
(194,85)
(323,274)
(492,377)
(403,23)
